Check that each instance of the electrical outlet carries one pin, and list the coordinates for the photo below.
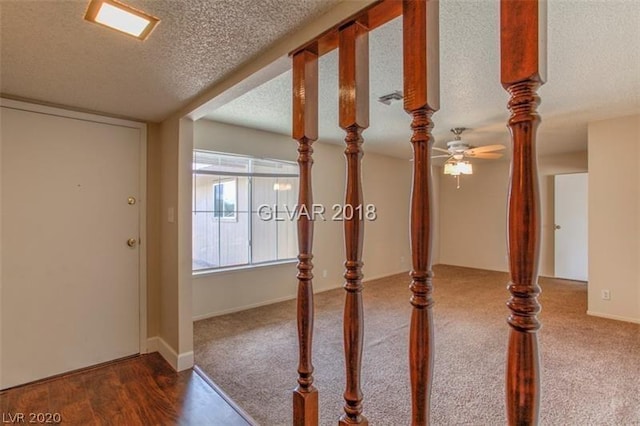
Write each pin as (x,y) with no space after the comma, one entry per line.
(324,273)
(606,295)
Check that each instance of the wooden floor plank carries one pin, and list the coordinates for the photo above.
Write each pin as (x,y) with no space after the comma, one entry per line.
(143,390)
(69,398)
(109,399)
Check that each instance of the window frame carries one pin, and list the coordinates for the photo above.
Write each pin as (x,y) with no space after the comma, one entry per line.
(250,264)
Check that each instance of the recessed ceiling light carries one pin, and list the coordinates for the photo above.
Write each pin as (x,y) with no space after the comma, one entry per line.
(121,17)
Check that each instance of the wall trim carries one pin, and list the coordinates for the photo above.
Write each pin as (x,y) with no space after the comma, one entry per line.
(185,361)
(243,307)
(178,362)
(381,276)
(66,112)
(283,299)
(614,317)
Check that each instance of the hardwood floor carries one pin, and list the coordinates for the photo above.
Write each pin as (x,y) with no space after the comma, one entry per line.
(143,390)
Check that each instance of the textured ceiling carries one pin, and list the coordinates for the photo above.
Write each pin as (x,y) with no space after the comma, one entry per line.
(593,73)
(49,53)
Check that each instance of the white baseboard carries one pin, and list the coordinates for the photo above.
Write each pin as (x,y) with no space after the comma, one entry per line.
(179,362)
(482,268)
(185,361)
(242,308)
(282,299)
(614,317)
(377,277)
(365,281)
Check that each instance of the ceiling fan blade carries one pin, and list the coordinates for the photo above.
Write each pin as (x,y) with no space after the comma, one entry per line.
(487,155)
(440,156)
(435,148)
(487,148)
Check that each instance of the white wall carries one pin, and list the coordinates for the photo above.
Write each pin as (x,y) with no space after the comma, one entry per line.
(614,218)
(386,183)
(474,218)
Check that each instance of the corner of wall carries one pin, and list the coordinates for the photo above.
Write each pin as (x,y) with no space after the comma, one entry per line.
(153,228)
(178,361)
(169,165)
(184,257)
(168,232)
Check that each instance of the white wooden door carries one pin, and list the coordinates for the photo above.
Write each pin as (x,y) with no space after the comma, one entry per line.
(571,226)
(70,283)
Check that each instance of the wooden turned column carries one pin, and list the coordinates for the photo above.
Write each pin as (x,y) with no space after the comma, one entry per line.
(522,35)
(354,117)
(305,131)
(421,100)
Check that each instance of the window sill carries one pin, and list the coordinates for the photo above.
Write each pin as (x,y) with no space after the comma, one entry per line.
(232,269)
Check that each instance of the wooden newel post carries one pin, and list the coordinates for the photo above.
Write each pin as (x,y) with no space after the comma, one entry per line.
(354,117)
(421,100)
(523,50)
(305,131)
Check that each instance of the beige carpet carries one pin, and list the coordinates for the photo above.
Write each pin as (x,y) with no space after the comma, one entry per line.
(590,366)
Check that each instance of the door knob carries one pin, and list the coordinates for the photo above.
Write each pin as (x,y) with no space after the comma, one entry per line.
(556,227)
(131,242)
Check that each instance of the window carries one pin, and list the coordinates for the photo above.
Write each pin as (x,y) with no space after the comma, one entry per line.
(228,191)
(225,199)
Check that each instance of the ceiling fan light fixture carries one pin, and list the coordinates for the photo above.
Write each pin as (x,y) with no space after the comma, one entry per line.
(457,168)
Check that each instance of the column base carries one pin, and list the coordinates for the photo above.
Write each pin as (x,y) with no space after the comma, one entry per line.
(305,407)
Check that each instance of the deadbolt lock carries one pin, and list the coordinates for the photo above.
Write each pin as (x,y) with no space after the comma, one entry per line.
(131,201)
(132,242)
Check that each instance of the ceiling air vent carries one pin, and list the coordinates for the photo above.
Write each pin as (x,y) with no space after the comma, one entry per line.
(388,99)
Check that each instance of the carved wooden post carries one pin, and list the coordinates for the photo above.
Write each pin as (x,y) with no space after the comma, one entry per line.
(354,117)
(305,131)
(522,38)
(421,100)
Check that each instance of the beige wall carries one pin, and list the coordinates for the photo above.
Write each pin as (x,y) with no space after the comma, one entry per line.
(614,217)
(168,300)
(169,198)
(174,323)
(153,229)
(185,191)
(386,248)
(473,218)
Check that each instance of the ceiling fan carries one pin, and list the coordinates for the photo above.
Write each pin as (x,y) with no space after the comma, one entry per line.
(458,150)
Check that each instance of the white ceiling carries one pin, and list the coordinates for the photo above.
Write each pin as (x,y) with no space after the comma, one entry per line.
(50,53)
(593,73)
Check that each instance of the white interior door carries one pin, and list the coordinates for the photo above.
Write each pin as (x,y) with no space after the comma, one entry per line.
(571,226)
(70,282)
